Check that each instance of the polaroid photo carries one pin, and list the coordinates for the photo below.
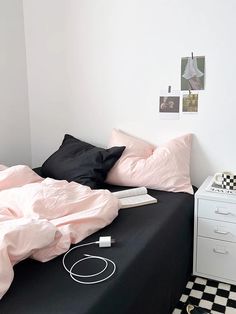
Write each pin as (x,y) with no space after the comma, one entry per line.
(169,105)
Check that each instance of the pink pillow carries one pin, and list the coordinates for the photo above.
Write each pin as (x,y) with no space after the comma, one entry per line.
(165,167)
(135,147)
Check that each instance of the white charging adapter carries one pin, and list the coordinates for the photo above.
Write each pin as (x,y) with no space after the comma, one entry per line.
(105,241)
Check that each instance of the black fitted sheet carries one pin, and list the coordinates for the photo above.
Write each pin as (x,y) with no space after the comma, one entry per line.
(153,254)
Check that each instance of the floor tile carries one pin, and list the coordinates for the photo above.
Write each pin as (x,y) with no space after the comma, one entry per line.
(232,295)
(220,300)
(201,281)
(230,310)
(224,286)
(211,290)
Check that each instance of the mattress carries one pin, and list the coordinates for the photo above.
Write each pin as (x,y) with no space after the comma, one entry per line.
(153,254)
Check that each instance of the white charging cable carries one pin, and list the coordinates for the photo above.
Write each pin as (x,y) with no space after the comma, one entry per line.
(103,242)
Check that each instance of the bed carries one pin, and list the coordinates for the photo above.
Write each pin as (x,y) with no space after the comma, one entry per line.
(153,254)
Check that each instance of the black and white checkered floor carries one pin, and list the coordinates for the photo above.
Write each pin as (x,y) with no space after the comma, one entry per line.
(213,296)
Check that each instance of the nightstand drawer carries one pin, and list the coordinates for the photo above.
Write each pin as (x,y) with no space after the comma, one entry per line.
(217,229)
(217,210)
(216,258)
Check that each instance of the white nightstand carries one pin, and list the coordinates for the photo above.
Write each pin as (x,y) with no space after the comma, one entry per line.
(214,235)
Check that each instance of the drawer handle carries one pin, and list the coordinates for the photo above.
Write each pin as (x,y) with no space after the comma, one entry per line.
(217,211)
(221,232)
(220,251)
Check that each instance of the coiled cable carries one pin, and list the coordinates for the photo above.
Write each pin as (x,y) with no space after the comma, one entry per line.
(76,276)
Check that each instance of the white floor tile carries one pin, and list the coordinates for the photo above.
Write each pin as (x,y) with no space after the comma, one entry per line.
(206,304)
(201,281)
(224,286)
(230,310)
(232,295)
(176,311)
(189,285)
(184,298)
(214,312)
(220,300)
(211,290)
(196,294)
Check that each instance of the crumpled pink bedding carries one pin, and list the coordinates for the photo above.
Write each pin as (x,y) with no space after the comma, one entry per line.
(40,218)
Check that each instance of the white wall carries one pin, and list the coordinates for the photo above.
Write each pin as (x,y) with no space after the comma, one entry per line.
(46,42)
(14,111)
(98,64)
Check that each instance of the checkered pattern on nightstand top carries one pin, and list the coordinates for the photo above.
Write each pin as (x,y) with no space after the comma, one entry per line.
(229,182)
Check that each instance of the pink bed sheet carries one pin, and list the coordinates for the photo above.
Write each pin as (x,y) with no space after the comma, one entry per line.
(41,218)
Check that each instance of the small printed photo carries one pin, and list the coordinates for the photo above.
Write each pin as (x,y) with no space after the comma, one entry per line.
(169,104)
(190,103)
(192,73)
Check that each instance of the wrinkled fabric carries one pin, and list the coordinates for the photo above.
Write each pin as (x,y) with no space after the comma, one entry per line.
(165,167)
(40,218)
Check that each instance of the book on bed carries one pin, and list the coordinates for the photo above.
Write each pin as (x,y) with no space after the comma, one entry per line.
(134,197)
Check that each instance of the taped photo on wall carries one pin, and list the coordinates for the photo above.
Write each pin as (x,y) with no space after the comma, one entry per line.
(193,73)
(190,103)
(169,105)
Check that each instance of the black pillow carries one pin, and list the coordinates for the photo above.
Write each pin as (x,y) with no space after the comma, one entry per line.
(81,162)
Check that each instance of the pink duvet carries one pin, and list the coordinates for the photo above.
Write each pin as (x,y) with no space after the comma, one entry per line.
(40,217)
